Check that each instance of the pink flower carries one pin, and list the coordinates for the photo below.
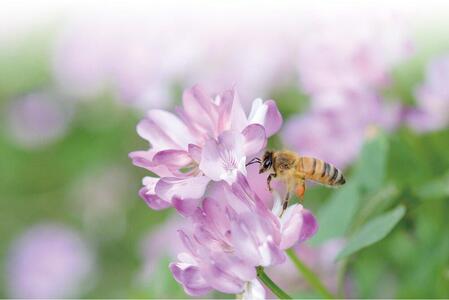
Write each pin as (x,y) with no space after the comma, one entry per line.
(49,261)
(340,120)
(37,120)
(351,50)
(233,232)
(208,139)
(342,62)
(432,112)
(339,124)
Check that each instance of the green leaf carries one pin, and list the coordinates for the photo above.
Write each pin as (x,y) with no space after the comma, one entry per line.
(370,170)
(337,214)
(373,231)
(375,203)
(434,189)
(290,101)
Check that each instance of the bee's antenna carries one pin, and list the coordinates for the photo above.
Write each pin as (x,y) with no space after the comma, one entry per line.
(253,161)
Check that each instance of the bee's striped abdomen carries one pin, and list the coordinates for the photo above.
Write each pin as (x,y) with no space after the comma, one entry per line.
(320,171)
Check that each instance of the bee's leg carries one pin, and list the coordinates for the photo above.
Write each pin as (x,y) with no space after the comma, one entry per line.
(271,176)
(300,190)
(285,203)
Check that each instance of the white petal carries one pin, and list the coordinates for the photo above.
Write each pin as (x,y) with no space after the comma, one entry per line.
(258,112)
(253,291)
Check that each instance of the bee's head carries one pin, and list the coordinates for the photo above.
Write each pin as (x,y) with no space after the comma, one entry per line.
(267,162)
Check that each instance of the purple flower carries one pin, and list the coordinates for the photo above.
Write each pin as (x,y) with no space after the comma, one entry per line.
(349,51)
(232,232)
(141,57)
(208,139)
(49,261)
(432,111)
(36,120)
(339,122)
(342,62)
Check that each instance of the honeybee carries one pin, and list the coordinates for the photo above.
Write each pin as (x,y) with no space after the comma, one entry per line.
(294,170)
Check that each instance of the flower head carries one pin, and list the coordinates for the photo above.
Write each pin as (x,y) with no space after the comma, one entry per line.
(207,139)
(37,120)
(432,111)
(49,261)
(233,232)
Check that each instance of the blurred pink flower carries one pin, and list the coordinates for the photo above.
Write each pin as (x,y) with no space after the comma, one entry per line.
(208,139)
(341,65)
(233,232)
(141,57)
(340,124)
(94,54)
(351,51)
(49,261)
(36,120)
(432,111)
(343,60)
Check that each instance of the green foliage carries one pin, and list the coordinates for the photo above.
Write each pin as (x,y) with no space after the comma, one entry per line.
(336,214)
(290,101)
(370,170)
(373,231)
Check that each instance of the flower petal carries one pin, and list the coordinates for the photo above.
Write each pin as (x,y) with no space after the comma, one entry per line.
(153,200)
(252,239)
(253,291)
(199,108)
(225,106)
(292,222)
(255,139)
(185,207)
(266,114)
(220,280)
(195,152)
(191,279)
(222,159)
(273,119)
(164,131)
(182,188)
(309,226)
(174,160)
(234,266)
(144,159)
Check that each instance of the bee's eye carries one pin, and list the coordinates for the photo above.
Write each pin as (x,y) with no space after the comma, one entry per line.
(267,164)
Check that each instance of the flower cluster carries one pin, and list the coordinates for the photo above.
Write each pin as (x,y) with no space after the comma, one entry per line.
(208,139)
(232,233)
(342,65)
(432,111)
(37,119)
(142,57)
(200,156)
(49,261)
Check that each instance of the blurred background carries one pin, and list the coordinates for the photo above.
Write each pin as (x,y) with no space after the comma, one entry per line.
(363,86)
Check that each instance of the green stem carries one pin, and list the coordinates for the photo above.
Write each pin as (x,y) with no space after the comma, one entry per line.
(271,285)
(308,274)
